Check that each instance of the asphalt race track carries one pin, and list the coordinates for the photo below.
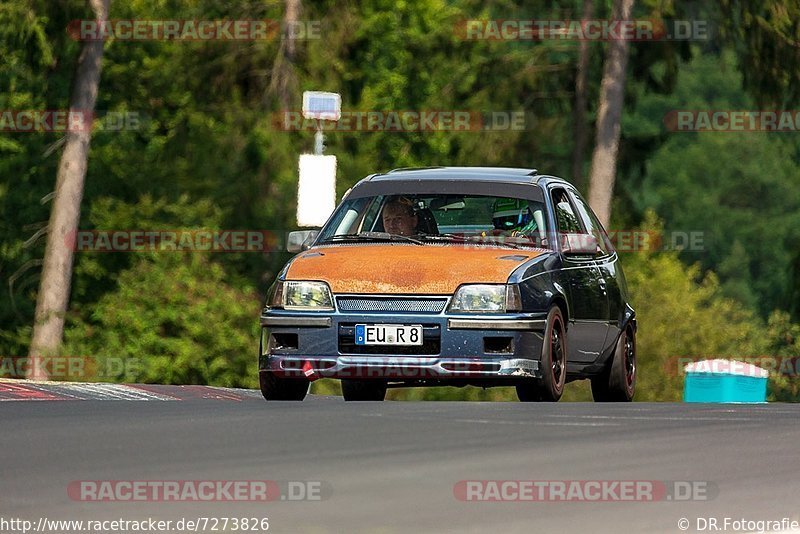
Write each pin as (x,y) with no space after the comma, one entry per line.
(394,466)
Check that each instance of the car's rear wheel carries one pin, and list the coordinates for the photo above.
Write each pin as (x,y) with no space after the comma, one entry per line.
(618,382)
(363,390)
(554,363)
(275,388)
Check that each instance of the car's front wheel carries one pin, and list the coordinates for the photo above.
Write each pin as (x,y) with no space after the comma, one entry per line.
(275,388)
(554,363)
(363,390)
(618,382)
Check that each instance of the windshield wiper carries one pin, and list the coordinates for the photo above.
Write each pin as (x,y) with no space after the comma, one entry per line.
(478,240)
(372,237)
(446,237)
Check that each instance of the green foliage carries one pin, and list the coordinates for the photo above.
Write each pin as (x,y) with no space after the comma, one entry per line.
(96,272)
(38,61)
(682,316)
(783,357)
(766,37)
(740,189)
(747,206)
(172,320)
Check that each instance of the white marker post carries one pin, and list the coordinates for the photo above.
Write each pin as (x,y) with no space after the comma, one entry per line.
(316,188)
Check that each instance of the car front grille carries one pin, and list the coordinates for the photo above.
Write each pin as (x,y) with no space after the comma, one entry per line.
(392,304)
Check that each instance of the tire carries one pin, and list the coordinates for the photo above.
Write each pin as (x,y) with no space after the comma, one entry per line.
(618,382)
(363,390)
(274,388)
(554,363)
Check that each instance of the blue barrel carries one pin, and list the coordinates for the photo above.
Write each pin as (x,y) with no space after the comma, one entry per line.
(725,381)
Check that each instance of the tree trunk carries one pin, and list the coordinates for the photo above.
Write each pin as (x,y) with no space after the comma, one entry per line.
(284,81)
(612,93)
(579,111)
(54,289)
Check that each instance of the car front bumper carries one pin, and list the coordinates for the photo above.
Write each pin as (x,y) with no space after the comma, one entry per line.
(476,349)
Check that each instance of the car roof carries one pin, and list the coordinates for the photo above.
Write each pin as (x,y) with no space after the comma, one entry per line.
(490,181)
(481,174)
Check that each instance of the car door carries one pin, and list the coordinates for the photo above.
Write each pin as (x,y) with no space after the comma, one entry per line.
(606,262)
(588,297)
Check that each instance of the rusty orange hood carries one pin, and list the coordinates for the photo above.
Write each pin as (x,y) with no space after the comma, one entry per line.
(406,269)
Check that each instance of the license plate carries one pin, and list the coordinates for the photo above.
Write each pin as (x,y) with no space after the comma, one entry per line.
(388,334)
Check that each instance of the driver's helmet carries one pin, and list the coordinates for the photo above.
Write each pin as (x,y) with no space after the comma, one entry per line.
(510,214)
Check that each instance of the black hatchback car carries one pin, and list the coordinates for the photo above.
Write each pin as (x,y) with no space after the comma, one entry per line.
(452,276)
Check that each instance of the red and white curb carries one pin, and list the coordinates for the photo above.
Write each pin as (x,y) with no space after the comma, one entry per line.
(28,390)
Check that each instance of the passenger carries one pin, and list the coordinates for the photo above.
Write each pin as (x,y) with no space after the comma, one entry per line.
(513,217)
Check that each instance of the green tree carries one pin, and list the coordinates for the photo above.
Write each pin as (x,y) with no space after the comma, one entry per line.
(52,298)
(738,189)
(766,38)
(173,319)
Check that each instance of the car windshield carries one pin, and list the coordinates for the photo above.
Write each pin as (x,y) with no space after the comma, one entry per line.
(439,219)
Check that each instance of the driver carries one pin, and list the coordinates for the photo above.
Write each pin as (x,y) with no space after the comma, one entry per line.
(399,217)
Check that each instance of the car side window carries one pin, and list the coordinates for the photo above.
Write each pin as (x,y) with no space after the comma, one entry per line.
(591,223)
(566,220)
(345,221)
(371,215)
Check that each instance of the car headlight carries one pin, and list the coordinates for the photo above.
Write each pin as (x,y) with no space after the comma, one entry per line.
(486,298)
(301,295)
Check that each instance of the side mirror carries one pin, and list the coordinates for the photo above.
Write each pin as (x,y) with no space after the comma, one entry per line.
(300,240)
(579,245)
